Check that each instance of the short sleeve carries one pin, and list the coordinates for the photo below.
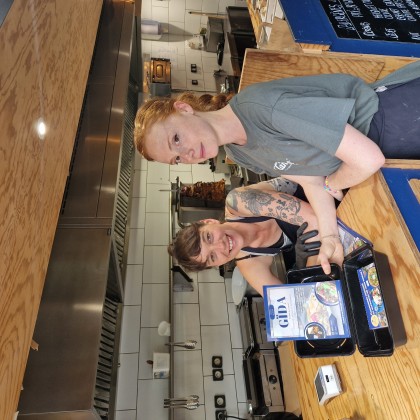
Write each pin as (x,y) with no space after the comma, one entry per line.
(317,121)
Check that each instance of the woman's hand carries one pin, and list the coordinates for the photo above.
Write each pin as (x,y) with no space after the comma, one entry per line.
(304,249)
(331,251)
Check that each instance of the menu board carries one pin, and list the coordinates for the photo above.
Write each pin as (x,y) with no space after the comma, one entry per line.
(376,20)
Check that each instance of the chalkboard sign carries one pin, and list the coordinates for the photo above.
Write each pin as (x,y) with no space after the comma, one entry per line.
(385,27)
(381,20)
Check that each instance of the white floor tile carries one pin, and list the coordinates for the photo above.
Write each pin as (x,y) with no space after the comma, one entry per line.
(239,375)
(152,392)
(184,177)
(130,330)
(150,342)
(135,246)
(226,388)
(188,297)
(183,167)
(188,374)
(187,324)
(243,411)
(126,398)
(158,173)
(158,201)
(197,414)
(157,229)
(235,328)
(211,275)
(138,161)
(215,341)
(139,184)
(156,264)
(213,306)
(228,287)
(133,284)
(155,304)
(202,173)
(138,212)
(125,415)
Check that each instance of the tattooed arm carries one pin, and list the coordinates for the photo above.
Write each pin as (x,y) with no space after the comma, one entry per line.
(263,199)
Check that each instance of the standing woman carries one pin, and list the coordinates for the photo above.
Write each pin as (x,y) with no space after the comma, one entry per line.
(326,133)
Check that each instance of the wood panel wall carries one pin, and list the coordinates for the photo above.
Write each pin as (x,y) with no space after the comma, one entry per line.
(46,49)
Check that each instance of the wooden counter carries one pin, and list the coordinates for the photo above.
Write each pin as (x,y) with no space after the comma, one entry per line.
(375,388)
(263,65)
(46,50)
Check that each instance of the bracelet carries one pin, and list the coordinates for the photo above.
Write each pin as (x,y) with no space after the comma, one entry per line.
(331,236)
(327,186)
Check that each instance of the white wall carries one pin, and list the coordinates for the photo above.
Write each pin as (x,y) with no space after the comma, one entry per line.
(180,26)
(206,315)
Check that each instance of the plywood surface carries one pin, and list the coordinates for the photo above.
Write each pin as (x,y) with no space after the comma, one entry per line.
(375,388)
(46,49)
(262,65)
(415,186)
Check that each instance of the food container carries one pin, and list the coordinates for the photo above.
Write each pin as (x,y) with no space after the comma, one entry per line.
(161,365)
(370,342)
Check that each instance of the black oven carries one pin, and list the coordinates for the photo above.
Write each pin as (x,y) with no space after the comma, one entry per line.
(240,36)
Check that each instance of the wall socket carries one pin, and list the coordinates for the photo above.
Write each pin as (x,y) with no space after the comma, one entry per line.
(220,401)
(221,414)
(217,374)
(217,361)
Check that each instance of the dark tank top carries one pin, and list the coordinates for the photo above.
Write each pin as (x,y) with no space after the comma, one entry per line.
(288,229)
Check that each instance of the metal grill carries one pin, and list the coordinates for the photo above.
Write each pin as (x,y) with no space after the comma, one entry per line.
(107,355)
(125,173)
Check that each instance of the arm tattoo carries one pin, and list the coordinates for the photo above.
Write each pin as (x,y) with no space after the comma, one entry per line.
(232,200)
(283,185)
(261,203)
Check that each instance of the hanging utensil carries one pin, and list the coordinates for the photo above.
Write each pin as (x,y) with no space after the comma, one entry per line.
(189,344)
(192,398)
(188,406)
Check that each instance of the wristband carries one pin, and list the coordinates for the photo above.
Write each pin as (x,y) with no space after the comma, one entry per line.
(327,186)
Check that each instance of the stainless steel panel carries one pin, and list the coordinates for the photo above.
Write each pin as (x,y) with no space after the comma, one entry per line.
(80,415)
(258,319)
(247,335)
(271,381)
(85,184)
(61,375)
(108,43)
(113,150)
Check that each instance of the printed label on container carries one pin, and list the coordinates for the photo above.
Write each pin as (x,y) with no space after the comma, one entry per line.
(372,297)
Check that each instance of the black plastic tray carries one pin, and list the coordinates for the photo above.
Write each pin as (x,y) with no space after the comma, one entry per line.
(379,342)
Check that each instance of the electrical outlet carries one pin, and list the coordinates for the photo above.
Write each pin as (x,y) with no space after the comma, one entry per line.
(221,414)
(217,374)
(219,401)
(217,361)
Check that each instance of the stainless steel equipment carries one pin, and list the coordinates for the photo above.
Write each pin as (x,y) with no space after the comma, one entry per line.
(263,383)
(73,375)
(160,83)
(214,34)
(261,363)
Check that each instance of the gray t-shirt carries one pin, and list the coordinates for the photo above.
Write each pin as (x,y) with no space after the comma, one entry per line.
(295,125)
